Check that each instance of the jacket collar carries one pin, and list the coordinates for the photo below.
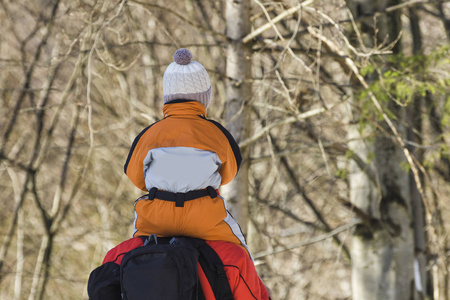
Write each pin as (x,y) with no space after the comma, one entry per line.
(180,107)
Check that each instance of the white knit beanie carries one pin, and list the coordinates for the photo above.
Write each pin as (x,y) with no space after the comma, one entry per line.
(185,79)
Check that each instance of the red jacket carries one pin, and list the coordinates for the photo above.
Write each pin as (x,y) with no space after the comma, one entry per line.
(241,273)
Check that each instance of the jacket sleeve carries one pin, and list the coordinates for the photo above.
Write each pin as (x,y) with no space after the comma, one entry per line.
(246,282)
(133,167)
(241,272)
(233,155)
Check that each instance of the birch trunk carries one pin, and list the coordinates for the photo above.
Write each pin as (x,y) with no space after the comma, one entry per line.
(414,134)
(382,248)
(238,92)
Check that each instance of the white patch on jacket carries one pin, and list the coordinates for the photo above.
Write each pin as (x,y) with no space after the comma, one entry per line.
(181,169)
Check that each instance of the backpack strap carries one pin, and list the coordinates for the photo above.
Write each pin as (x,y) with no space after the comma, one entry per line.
(153,239)
(212,266)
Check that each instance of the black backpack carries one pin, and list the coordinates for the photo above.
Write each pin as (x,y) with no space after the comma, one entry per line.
(163,269)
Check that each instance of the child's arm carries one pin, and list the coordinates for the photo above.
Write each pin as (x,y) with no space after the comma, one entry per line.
(230,153)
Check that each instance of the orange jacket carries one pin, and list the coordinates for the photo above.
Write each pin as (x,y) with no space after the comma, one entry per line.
(184,125)
(244,281)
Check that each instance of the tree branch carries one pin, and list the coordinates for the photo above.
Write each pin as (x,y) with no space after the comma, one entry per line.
(301,116)
(351,64)
(27,82)
(329,234)
(275,20)
(306,198)
(178,15)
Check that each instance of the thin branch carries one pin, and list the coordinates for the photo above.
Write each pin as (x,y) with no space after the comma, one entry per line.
(15,163)
(275,20)
(306,4)
(7,240)
(58,213)
(20,258)
(351,64)
(292,119)
(288,213)
(178,15)
(405,4)
(272,24)
(27,82)
(286,93)
(10,232)
(324,157)
(289,48)
(300,190)
(64,171)
(111,65)
(20,255)
(44,215)
(314,240)
(43,255)
(346,41)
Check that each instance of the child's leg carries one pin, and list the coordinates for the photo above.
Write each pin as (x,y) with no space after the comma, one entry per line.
(228,230)
(156,217)
(203,218)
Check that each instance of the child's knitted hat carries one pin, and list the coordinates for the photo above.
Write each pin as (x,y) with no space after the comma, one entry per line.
(186,79)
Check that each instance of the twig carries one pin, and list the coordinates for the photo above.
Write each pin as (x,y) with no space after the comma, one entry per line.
(351,64)
(111,65)
(305,4)
(275,20)
(300,190)
(286,90)
(292,119)
(405,4)
(20,258)
(272,24)
(59,214)
(290,214)
(178,15)
(314,240)
(26,84)
(324,157)
(344,38)
(28,77)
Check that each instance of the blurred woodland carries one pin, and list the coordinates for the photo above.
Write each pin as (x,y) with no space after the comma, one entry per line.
(341,109)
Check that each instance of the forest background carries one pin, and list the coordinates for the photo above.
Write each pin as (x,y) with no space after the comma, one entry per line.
(341,109)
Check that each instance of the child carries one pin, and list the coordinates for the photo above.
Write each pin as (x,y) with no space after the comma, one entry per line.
(182,160)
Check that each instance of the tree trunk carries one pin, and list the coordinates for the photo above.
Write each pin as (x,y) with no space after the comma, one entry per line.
(414,134)
(383,247)
(238,94)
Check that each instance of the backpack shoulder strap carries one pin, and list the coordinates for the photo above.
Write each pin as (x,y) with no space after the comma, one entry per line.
(212,266)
